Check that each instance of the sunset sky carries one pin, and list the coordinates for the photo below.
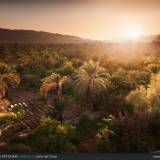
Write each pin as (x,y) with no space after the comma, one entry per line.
(93,19)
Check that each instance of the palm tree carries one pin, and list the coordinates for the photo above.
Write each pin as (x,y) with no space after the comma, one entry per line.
(54,81)
(91,81)
(10,79)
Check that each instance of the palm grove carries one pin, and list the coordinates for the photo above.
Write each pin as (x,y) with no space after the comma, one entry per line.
(117,100)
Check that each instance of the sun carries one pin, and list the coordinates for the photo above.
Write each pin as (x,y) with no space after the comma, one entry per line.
(133,33)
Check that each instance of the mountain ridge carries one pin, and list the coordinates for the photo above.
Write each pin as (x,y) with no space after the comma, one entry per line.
(23,36)
(32,36)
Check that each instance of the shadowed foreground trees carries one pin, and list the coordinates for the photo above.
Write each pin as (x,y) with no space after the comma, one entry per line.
(127,133)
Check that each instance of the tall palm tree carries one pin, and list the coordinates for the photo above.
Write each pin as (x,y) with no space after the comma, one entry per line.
(91,81)
(10,79)
(54,81)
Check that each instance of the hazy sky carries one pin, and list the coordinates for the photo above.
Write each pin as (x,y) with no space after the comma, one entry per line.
(94,19)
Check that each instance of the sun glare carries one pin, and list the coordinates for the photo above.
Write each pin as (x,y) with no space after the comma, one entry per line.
(133,33)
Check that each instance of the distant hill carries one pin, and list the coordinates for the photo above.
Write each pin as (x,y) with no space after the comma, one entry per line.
(40,37)
(31,36)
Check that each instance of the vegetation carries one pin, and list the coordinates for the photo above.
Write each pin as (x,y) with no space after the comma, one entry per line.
(91,81)
(100,92)
(54,136)
(53,82)
(8,78)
